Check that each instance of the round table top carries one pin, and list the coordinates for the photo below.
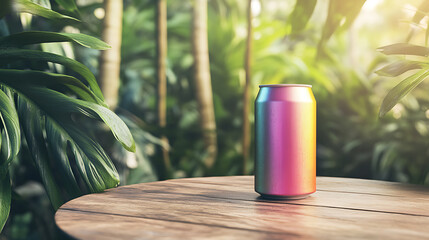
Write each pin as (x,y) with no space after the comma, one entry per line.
(228,208)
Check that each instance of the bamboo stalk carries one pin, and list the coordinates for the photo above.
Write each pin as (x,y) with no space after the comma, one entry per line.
(203,85)
(110,59)
(246,93)
(161,54)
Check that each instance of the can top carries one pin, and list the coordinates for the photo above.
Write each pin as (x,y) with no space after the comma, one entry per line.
(285,85)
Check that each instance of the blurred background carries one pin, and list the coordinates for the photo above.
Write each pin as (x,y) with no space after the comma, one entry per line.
(191,114)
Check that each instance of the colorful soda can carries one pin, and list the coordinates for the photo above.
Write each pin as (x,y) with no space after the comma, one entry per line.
(285,136)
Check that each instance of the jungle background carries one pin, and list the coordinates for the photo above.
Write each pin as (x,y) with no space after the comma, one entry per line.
(191,111)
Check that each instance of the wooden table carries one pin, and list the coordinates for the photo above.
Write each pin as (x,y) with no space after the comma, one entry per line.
(228,208)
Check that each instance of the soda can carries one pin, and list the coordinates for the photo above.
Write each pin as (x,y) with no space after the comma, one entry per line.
(285,136)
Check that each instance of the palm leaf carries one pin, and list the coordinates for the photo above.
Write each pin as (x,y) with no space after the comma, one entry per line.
(19,79)
(56,103)
(401,90)
(31,123)
(35,9)
(404,49)
(10,55)
(11,134)
(35,37)
(5,197)
(69,161)
(399,67)
(65,156)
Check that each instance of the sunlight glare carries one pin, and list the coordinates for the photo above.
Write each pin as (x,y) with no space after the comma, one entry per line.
(99,13)
(256,7)
(397,111)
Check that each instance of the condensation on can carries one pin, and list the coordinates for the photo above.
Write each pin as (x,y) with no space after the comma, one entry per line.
(285,136)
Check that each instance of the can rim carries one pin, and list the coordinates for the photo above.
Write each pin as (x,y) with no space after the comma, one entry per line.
(285,85)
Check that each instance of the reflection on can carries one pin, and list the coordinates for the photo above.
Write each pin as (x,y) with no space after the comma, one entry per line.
(285,136)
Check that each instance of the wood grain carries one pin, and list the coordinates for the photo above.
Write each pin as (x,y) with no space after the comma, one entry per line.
(228,208)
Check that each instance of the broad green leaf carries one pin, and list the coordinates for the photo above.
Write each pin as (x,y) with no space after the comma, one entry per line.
(95,167)
(64,155)
(19,79)
(11,133)
(301,14)
(32,124)
(399,67)
(5,197)
(35,37)
(35,9)
(404,49)
(69,5)
(5,153)
(87,41)
(56,103)
(10,55)
(1,142)
(401,90)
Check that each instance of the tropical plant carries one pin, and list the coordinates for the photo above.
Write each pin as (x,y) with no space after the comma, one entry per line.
(48,109)
(399,67)
(283,52)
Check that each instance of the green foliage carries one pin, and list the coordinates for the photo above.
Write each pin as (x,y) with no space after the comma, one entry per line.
(22,79)
(56,103)
(69,5)
(11,135)
(35,37)
(278,58)
(28,6)
(301,14)
(5,197)
(399,67)
(407,49)
(401,90)
(341,14)
(11,55)
(352,141)
(48,109)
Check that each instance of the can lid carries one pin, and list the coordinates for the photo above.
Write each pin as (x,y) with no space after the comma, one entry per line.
(285,85)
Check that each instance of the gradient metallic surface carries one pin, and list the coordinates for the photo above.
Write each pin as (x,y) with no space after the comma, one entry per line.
(285,135)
